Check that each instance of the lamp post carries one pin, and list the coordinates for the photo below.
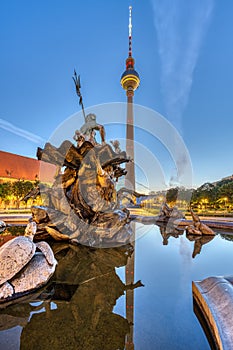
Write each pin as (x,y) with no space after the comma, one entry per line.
(225,201)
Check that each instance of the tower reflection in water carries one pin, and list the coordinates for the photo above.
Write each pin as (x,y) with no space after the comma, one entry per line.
(129,280)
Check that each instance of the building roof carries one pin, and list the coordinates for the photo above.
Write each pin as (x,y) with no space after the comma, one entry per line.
(16,167)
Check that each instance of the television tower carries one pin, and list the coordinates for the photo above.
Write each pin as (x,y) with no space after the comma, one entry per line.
(130,81)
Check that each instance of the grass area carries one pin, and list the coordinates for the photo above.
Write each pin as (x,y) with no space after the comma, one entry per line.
(13,231)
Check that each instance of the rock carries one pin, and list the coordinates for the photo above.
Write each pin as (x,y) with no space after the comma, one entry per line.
(14,255)
(34,275)
(22,269)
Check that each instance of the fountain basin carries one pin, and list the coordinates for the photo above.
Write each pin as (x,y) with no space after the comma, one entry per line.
(214,297)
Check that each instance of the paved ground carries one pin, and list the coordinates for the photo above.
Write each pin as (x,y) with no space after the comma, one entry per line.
(15,218)
(213,218)
(142,212)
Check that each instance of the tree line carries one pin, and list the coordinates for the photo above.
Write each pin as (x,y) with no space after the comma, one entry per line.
(214,195)
(208,195)
(11,193)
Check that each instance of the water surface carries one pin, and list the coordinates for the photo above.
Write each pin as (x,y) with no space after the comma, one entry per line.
(84,305)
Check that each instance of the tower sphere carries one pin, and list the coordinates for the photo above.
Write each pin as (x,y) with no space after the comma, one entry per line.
(130,79)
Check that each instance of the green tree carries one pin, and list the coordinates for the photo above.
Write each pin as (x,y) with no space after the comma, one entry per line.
(5,190)
(20,189)
(171,195)
(226,190)
(207,193)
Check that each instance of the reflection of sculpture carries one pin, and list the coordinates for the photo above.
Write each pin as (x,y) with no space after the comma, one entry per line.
(199,241)
(84,291)
(17,314)
(21,270)
(168,231)
(198,228)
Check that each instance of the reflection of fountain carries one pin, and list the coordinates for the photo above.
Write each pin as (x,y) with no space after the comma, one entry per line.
(78,303)
(168,231)
(76,309)
(198,242)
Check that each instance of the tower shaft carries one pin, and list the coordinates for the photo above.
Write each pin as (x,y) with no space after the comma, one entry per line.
(130,81)
(130,167)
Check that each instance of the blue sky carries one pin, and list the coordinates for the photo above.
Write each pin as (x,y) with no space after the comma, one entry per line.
(183,52)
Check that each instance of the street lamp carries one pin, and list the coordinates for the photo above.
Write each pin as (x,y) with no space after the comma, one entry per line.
(225,200)
(204,203)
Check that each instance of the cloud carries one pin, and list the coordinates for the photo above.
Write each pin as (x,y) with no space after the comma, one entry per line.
(181,26)
(20,132)
(185,251)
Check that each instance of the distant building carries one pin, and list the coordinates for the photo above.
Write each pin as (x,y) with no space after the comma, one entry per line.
(14,167)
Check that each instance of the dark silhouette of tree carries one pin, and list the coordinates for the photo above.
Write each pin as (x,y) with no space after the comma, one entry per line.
(5,192)
(227,191)
(171,195)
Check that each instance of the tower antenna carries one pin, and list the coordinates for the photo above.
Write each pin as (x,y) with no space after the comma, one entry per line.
(130,31)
